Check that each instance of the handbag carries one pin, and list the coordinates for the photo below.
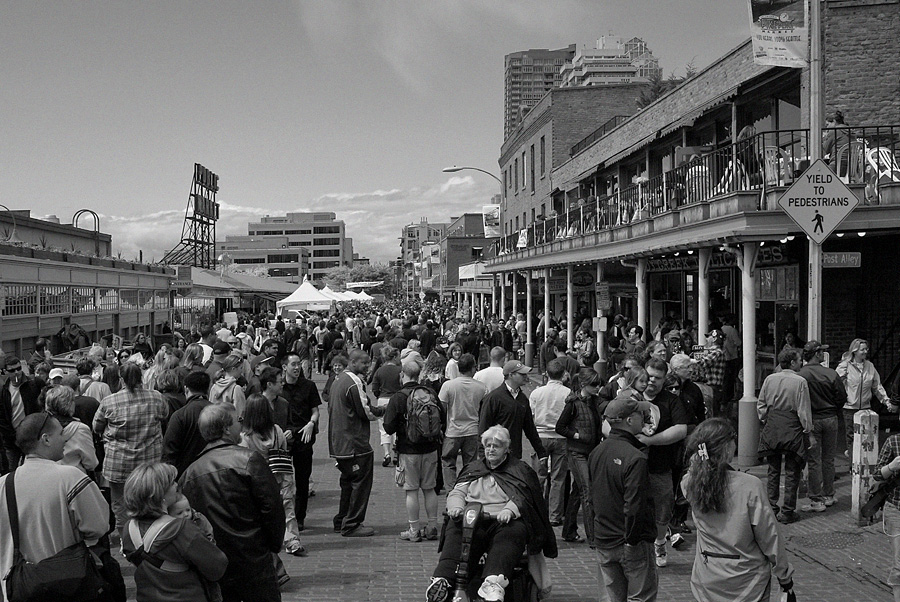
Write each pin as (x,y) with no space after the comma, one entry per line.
(280,461)
(878,495)
(70,575)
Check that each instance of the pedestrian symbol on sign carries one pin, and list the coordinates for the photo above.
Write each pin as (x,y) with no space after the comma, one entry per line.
(818,221)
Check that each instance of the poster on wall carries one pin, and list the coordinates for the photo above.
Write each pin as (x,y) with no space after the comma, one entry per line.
(490,215)
(523,239)
(780,32)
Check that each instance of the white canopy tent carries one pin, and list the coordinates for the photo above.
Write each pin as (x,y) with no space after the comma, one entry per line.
(334,295)
(306,297)
(364,296)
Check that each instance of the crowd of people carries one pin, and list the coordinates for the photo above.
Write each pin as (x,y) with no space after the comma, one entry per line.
(194,453)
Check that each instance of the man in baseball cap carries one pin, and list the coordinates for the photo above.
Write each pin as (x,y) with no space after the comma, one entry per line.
(618,471)
(508,406)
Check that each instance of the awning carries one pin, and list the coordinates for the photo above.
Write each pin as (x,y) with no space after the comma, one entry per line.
(631,149)
(712,103)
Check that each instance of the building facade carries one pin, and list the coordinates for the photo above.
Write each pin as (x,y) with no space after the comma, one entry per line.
(415,267)
(546,138)
(528,75)
(674,212)
(611,61)
(277,245)
(464,244)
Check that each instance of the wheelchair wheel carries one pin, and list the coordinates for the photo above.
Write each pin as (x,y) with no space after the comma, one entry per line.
(523,587)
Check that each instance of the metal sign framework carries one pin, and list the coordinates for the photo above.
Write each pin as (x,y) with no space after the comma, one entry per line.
(198,235)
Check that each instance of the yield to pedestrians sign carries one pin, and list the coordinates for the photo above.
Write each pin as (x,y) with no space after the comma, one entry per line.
(818,201)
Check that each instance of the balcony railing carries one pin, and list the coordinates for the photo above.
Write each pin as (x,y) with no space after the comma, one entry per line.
(600,132)
(868,156)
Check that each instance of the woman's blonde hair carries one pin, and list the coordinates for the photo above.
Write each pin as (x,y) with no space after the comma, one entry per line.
(60,401)
(145,489)
(496,432)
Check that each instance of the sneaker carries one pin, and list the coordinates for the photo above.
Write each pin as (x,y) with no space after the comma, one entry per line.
(813,507)
(431,533)
(360,531)
(438,591)
(283,579)
(493,589)
(677,540)
(411,534)
(387,461)
(828,500)
(298,551)
(660,550)
(786,518)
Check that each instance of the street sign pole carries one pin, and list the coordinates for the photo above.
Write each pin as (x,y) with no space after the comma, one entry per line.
(814,295)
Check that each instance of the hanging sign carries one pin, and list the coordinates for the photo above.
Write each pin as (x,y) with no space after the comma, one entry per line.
(780,32)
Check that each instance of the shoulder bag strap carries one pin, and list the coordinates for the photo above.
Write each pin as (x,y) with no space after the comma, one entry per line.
(13,510)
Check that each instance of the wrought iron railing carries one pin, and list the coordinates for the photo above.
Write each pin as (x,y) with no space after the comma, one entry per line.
(867,155)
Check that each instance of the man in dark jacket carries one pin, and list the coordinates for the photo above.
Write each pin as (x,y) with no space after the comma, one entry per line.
(183,442)
(624,528)
(827,395)
(427,337)
(349,413)
(508,406)
(18,399)
(418,464)
(302,424)
(233,487)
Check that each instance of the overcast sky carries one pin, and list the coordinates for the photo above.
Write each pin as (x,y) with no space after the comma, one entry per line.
(345,106)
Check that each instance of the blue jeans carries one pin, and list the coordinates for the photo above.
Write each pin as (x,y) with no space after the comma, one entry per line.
(822,444)
(629,572)
(554,492)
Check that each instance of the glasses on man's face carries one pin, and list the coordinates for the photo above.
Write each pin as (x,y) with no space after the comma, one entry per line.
(16,368)
(44,422)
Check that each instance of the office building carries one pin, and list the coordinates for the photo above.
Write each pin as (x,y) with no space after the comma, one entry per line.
(412,240)
(291,246)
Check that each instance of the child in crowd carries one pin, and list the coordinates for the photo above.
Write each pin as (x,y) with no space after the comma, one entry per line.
(181,508)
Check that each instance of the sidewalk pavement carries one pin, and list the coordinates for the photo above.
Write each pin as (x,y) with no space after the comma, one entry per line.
(834,560)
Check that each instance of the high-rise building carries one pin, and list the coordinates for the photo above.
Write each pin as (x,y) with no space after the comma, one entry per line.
(528,75)
(291,246)
(612,61)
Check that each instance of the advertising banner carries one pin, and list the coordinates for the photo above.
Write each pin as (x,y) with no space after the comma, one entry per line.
(780,32)
(490,215)
(523,239)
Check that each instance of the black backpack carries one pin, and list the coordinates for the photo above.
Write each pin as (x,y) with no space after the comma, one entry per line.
(423,415)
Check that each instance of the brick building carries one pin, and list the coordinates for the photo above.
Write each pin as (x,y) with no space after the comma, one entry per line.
(675,209)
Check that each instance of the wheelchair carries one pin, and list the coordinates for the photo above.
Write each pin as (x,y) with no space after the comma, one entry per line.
(521,588)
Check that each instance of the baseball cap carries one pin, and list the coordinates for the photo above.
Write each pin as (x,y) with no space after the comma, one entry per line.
(814,346)
(56,372)
(221,348)
(715,334)
(623,408)
(513,366)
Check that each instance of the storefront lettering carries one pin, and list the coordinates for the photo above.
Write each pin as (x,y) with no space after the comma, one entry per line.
(770,255)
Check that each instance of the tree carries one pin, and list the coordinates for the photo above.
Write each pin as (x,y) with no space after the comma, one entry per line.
(337,278)
(658,87)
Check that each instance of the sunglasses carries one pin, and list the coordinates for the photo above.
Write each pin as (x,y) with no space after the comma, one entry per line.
(47,416)
(17,368)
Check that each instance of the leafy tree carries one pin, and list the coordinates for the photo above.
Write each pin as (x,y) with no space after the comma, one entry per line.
(338,277)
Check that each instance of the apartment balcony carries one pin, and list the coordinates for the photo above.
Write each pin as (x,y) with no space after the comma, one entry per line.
(727,195)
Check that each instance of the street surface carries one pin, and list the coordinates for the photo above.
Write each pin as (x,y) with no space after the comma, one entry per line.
(834,560)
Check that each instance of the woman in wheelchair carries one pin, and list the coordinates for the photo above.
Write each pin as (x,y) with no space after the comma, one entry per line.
(508,490)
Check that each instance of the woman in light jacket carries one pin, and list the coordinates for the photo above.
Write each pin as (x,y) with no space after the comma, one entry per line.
(739,545)
(861,380)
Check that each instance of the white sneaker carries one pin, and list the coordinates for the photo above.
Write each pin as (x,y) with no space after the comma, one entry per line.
(660,551)
(493,589)
(677,540)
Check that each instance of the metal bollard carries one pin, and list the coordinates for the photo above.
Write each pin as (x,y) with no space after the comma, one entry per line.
(863,459)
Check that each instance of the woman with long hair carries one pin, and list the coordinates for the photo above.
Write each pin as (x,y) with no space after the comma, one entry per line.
(191,558)
(112,376)
(225,388)
(739,545)
(192,361)
(260,433)
(131,423)
(862,382)
(451,371)
(142,345)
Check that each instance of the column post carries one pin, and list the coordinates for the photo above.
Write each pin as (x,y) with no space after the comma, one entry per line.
(529,319)
(601,333)
(748,419)
(493,294)
(643,300)
(703,259)
(546,302)
(515,294)
(570,307)
(503,295)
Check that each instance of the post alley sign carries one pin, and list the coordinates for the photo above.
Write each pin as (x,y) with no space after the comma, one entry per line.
(768,255)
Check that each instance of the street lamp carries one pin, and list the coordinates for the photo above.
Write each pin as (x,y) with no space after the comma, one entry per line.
(12,236)
(455,169)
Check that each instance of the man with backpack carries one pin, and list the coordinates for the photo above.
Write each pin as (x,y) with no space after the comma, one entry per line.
(416,416)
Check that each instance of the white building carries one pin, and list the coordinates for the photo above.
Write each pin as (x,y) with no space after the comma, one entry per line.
(612,61)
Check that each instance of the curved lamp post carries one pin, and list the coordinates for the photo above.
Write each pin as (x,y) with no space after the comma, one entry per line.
(96,217)
(12,235)
(455,169)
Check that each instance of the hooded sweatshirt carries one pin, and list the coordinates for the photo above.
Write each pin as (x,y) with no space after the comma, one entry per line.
(226,390)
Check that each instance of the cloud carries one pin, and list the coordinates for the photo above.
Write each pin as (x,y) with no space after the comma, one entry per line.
(374,219)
